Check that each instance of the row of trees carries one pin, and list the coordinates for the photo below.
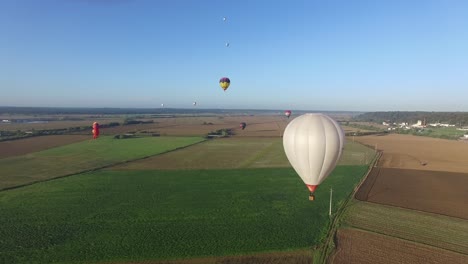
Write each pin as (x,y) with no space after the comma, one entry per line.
(456,118)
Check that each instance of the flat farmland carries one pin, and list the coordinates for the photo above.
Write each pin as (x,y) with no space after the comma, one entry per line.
(56,124)
(304,256)
(257,126)
(83,156)
(416,209)
(430,191)
(260,126)
(419,153)
(33,144)
(195,125)
(435,230)
(237,152)
(359,246)
(122,216)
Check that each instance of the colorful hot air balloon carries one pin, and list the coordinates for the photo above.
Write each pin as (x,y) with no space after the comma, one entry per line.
(224,83)
(95,130)
(287,113)
(242,125)
(313,144)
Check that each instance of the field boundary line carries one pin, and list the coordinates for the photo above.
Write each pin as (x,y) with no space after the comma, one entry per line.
(100,167)
(401,238)
(329,246)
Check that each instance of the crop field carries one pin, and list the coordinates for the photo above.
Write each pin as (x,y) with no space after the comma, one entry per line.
(303,256)
(165,199)
(419,153)
(180,125)
(83,156)
(430,191)
(34,144)
(120,216)
(435,230)
(257,126)
(377,248)
(237,152)
(55,124)
(424,174)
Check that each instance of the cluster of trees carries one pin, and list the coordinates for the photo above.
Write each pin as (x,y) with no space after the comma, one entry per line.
(225,132)
(130,121)
(456,118)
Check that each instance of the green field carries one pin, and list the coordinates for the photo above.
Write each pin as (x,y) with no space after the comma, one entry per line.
(238,153)
(107,216)
(82,156)
(437,132)
(431,229)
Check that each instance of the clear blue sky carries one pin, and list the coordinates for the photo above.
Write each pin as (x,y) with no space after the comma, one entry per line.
(308,55)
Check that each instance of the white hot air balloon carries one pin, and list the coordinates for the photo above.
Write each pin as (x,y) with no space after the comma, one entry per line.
(162,105)
(313,144)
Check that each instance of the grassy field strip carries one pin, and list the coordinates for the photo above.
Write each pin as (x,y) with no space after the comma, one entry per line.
(83,156)
(323,254)
(435,230)
(364,247)
(225,153)
(230,153)
(259,158)
(303,256)
(356,153)
(118,216)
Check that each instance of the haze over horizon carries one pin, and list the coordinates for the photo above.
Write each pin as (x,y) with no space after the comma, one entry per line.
(303,55)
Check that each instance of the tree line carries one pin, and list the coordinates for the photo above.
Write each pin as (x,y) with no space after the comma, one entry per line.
(455,118)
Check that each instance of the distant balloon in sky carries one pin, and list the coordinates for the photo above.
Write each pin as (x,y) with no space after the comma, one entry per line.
(242,125)
(224,83)
(194,103)
(95,130)
(227,44)
(224,18)
(162,105)
(313,144)
(287,113)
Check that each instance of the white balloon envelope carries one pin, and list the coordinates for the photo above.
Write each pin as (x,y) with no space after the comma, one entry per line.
(313,144)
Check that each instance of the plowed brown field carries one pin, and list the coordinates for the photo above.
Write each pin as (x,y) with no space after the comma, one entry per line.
(419,173)
(33,144)
(430,191)
(358,246)
(419,153)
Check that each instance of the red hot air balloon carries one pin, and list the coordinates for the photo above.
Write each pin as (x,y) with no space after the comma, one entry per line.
(242,125)
(287,113)
(95,130)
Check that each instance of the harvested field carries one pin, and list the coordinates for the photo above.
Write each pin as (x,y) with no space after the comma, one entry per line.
(358,246)
(439,231)
(420,153)
(421,173)
(56,124)
(257,126)
(430,191)
(33,144)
